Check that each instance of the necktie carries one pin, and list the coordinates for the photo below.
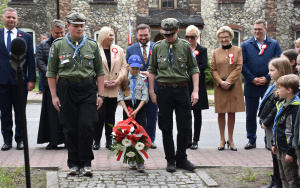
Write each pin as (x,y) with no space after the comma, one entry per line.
(170,56)
(145,53)
(8,40)
(133,90)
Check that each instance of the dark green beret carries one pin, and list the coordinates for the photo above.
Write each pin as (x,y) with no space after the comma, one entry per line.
(169,25)
(76,18)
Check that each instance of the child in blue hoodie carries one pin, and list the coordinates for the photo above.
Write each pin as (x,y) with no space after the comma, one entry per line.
(283,130)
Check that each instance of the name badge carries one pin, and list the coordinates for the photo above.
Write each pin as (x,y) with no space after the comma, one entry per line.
(65,61)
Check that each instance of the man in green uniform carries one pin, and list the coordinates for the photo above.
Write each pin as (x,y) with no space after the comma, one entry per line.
(76,60)
(171,63)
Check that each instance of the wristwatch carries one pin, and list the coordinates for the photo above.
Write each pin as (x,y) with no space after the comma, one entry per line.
(101,96)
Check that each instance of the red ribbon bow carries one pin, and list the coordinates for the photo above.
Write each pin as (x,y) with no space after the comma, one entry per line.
(115,51)
(263,47)
(196,52)
(230,58)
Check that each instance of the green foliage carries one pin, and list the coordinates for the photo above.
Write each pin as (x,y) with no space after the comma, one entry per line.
(8,177)
(249,176)
(208,78)
(3,5)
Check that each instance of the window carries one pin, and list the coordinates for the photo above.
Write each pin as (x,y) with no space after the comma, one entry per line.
(237,38)
(297,34)
(32,33)
(167,4)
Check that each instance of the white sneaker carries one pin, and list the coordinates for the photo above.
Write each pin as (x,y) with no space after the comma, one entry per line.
(87,171)
(132,166)
(74,171)
(140,167)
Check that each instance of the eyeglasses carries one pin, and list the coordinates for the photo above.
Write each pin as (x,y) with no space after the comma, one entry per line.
(258,29)
(169,35)
(226,37)
(191,37)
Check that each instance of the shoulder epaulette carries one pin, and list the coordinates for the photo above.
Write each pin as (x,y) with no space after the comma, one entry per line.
(92,40)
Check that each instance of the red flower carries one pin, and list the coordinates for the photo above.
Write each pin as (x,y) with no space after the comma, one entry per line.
(129,137)
(137,131)
(119,133)
(119,139)
(126,132)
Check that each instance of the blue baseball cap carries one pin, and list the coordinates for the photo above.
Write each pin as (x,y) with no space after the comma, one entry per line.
(135,61)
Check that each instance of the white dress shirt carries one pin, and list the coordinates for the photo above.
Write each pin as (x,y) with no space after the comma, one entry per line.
(13,35)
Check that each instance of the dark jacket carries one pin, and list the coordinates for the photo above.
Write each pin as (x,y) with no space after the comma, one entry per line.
(42,56)
(202,65)
(283,130)
(255,65)
(268,110)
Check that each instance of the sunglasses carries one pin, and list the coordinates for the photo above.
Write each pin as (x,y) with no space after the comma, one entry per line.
(168,35)
(191,37)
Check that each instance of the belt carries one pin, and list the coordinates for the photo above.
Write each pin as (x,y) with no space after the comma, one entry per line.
(173,85)
(77,79)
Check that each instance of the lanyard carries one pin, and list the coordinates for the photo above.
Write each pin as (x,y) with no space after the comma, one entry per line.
(77,51)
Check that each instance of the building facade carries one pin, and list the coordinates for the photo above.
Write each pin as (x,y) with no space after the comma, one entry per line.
(283,17)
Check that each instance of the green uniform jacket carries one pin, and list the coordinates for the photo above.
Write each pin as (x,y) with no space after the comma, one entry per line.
(184,63)
(61,60)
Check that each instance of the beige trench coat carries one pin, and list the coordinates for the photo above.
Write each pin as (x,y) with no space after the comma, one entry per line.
(118,69)
(220,67)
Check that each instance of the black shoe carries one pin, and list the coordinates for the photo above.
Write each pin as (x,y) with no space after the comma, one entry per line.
(50,147)
(187,165)
(189,145)
(171,167)
(108,144)
(153,146)
(250,145)
(20,145)
(231,148)
(222,148)
(194,146)
(6,146)
(96,146)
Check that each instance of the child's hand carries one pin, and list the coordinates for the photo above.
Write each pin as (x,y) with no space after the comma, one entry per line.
(133,114)
(288,158)
(263,126)
(274,150)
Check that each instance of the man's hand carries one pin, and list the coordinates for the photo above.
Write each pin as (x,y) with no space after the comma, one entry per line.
(194,98)
(260,81)
(56,103)
(99,102)
(288,158)
(153,97)
(31,85)
(263,126)
(274,150)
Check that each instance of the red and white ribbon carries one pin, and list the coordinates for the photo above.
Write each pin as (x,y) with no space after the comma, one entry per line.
(263,47)
(121,156)
(115,51)
(230,58)
(144,154)
(196,52)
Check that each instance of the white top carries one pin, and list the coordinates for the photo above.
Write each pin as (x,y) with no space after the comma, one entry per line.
(13,35)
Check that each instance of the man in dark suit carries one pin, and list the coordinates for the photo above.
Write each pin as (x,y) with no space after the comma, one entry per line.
(257,52)
(143,49)
(8,83)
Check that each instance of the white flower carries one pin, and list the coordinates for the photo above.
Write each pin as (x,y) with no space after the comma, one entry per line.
(126,142)
(139,146)
(130,154)
(121,147)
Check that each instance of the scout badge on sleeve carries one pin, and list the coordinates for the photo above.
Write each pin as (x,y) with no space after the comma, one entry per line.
(131,141)
(263,47)
(196,52)
(230,58)
(115,51)
(126,93)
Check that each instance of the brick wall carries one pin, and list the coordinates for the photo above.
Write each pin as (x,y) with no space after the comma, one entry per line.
(64,9)
(195,7)
(271,17)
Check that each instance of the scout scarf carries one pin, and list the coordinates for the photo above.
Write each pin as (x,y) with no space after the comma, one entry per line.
(77,51)
(266,95)
(281,110)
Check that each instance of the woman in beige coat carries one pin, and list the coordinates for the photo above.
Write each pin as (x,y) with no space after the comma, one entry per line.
(225,68)
(114,64)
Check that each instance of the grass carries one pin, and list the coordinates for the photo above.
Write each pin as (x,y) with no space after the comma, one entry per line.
(249,176)
(11,177)
(210,91)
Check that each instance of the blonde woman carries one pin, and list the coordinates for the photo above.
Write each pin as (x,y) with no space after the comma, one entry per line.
(114,65)
(225,68)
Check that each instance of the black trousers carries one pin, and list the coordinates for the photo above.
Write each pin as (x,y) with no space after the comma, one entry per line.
(9,98)
(106,115)
(78,116)
(197,126)
(177,99)
(141,117)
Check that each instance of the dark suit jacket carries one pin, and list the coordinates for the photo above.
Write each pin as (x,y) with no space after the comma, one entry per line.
(202,65)
(255,65)
(135,49)
(7,73)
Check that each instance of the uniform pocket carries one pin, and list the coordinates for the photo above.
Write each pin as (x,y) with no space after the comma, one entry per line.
(88,59)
